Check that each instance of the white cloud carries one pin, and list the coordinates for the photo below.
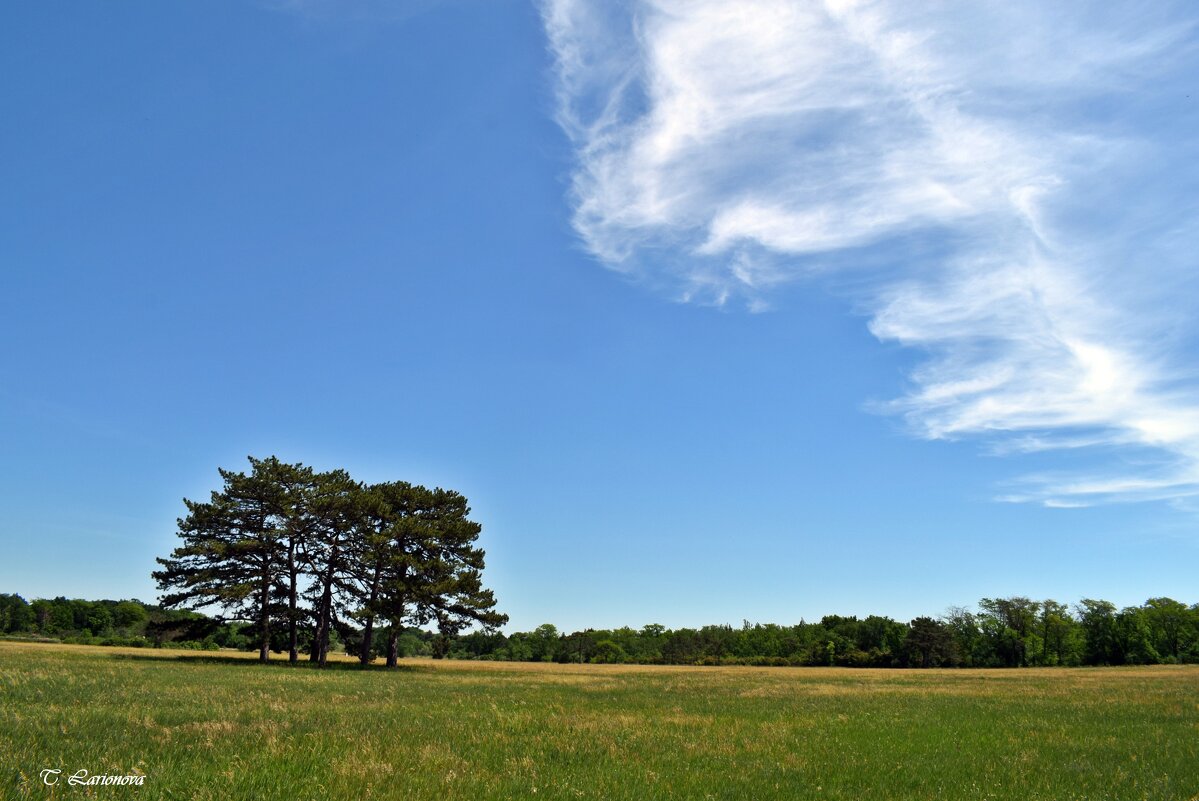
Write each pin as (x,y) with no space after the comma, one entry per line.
(724,148)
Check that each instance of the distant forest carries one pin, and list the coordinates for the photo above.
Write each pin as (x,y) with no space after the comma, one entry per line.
(1001,632)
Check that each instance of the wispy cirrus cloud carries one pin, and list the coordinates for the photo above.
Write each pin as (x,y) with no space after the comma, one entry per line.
(1006,177)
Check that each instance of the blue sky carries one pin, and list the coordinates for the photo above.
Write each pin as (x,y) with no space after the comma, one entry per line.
(713,314)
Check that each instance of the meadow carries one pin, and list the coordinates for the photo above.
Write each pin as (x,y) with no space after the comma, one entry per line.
(221,726)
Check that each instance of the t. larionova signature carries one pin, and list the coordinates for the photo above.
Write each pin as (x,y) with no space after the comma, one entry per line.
(50,776)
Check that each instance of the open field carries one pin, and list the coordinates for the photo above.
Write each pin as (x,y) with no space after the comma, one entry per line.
(219,726)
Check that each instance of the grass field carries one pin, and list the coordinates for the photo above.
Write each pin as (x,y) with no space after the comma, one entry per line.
(224,727)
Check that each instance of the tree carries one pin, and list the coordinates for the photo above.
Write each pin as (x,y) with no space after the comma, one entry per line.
(61,616)
(15,614)
(231,555)
(1008,624)
(335,517)
(608,652)
(1057,634)
(1134,637)
(967,638)
(91,618)
(414,562)
(290,487)
(377,556)
(41,609)
(881,638)
(1098,620)
(543,643)
(129,615)
(578,646)
(1171,626)
(437,572)
(929,643)
(517,648)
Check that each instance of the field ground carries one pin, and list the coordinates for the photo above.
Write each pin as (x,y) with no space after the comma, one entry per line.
(220,726)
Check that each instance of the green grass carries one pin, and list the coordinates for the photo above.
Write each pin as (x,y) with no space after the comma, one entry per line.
(223,727)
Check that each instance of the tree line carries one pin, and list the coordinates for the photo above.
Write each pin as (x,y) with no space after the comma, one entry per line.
(136,624)
(1001,632)
(117,622)
(306,554)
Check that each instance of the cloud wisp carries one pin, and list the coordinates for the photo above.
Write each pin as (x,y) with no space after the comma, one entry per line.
(972,166)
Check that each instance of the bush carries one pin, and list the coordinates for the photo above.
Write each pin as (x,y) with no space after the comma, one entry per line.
(186,645)
(123,642)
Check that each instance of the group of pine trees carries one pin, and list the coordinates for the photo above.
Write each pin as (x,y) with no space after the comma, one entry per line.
(287,548)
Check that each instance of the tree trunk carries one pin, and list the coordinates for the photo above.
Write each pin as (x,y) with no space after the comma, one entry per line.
(324,614)
(321,635)
(293,652)
(393,650)
(322,645)
(368,630)
(264,617)
(314,650)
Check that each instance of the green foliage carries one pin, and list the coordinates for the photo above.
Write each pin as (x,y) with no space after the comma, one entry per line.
(1098,622)
(129,615)
(1173,628)
(235,547)
(1007,632)
(1009,625)
(15,614)
(543,643)
(608,652)
(412,560)
(929,643)
(1134,639)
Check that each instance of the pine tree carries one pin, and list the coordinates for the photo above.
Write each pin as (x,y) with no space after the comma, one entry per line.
(337,515)
(440,576)
(293,486)
(382,553)
(232,556)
